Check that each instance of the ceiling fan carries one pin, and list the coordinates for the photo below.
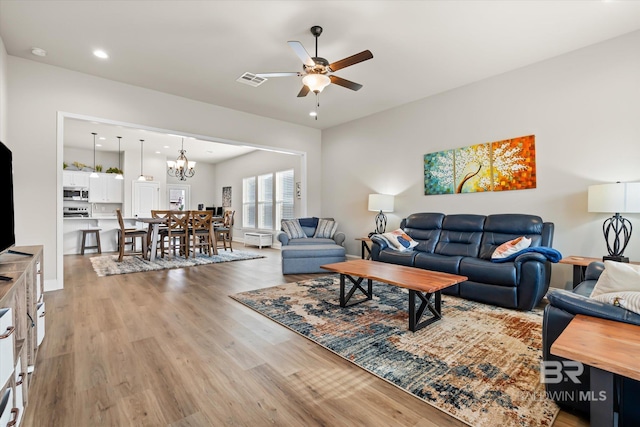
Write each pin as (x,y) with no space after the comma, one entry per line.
(316,71)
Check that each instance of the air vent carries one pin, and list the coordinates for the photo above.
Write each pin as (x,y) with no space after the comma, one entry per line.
(251,79)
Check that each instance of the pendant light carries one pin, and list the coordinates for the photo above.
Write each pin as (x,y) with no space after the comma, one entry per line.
(94,174)
(119,175)
(141,177)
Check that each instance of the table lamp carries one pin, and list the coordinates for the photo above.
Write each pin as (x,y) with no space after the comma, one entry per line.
(380,203)
(617,198)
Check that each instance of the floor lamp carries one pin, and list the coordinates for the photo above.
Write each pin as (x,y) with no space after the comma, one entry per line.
(617,198)
(380,203)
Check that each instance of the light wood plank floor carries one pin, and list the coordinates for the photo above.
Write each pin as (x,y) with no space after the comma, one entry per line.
(170,348)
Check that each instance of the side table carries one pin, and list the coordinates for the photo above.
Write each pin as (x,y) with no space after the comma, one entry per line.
(366,249)
(580,264)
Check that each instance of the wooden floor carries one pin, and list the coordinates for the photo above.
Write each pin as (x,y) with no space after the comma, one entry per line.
(171,348)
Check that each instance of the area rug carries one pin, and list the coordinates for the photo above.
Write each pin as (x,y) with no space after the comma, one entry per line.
(480,363)
(108,265)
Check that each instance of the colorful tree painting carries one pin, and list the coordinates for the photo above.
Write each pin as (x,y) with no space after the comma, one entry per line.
(496,166)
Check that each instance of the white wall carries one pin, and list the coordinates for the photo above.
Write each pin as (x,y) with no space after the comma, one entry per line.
(231,173)
(36,94)
(583,108)
(3,92)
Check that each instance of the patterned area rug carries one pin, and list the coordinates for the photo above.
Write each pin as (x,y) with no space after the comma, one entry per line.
(480,364)
(108,265)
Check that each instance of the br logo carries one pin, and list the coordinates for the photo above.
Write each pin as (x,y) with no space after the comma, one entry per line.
(556,372)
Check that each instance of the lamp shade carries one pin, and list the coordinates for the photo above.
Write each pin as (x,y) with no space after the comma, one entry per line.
(380,202)
(316,82)
(620,197)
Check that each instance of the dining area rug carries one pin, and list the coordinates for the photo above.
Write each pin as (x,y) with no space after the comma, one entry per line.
(479,363)
(108,265)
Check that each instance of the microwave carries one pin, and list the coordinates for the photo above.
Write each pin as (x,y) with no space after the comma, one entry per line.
(75,193)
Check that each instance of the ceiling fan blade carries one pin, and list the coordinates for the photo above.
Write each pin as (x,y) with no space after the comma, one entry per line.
(304,91)
(284,74)
(344,83)
(302,53)
(354,59)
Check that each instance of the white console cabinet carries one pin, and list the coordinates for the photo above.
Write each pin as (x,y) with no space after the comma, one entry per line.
(258,239)
(22,319)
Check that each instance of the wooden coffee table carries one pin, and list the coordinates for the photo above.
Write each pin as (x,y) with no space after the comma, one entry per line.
(423,284)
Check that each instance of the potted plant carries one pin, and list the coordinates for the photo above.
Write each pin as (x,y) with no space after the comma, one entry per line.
(115,170)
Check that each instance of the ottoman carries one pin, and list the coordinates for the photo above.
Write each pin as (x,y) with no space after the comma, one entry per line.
(298,259)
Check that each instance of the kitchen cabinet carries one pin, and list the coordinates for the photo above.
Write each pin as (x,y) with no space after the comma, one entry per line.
(105,189)
(21,332)
(75,179)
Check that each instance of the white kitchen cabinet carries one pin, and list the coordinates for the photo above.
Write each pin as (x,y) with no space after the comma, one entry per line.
(105,189)
(75,179)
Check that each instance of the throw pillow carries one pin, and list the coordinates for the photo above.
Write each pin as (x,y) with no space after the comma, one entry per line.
(309,222)
(326,229)
(511,247)
(293,229)
(617,277)
(399,240)
(627,300)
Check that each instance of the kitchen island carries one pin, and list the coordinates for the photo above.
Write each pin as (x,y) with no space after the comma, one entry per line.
(72,237)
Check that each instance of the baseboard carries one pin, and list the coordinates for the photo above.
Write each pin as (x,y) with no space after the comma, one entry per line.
(52,285)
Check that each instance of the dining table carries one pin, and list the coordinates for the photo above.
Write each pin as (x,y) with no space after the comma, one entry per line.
(154,229)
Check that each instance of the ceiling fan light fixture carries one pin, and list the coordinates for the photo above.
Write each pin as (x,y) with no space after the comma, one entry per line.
(316,82)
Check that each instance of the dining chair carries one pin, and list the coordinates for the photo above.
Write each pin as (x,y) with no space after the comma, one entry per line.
(202,235)
(128,237)
(224,232)
(176,234)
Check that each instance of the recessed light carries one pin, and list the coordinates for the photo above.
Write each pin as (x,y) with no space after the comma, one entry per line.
(157,152)
(102,138)
(166,146)
(313,114)
(100,54)
(98,145)
(38,51)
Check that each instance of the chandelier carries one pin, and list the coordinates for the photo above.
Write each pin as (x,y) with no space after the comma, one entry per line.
(181,168)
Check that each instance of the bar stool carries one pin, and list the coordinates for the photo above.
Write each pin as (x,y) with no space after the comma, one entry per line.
(96,233)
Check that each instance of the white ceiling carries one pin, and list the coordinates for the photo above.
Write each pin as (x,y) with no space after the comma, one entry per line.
(197,49)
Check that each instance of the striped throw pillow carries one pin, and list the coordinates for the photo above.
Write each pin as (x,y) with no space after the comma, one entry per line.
(629,300)
(293,229)
(326,229)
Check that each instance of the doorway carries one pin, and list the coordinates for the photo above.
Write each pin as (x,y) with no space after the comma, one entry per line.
(179,197)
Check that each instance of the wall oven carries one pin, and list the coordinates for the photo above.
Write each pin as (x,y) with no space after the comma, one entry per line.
(75,193)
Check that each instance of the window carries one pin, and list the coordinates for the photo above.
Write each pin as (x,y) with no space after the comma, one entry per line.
(249,202)
(267,199)
(284,195)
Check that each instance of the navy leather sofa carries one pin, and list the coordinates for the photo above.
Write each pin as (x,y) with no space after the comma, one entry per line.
(563,306)
(463,244)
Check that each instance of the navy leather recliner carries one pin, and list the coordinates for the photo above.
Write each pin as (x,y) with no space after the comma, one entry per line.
(463,244)
(563,306)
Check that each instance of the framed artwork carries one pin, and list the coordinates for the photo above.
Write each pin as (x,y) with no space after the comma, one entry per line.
(493,166)
(226,197)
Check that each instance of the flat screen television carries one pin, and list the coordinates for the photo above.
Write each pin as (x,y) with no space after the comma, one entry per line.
(7,228)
